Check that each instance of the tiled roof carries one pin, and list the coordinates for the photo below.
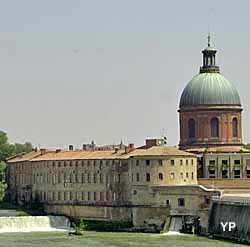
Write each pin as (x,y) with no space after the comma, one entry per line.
(109,154)
(160,151)
(24,156)
(80,155)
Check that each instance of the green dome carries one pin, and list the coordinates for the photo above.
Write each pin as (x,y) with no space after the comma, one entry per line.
(209,89)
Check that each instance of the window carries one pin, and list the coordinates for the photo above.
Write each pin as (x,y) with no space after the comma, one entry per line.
(83,179)
(160,176)
(181,175)
(191,128)
(172,162)
(167,203)
(172,175)
(181,162)
(224,173)
(101,196)
(224,162)
(235,127)
(94,178)
(160,162)
(211,173)
(137,177)
(82,195)
(237,162)
(211,162)
(214,127)
(107,196)
(248,173)
(181,202)
(59,178)
(89,196)
(192,162)
(101,178)
(147,162)
(247,161)
(236,173)
(186,162)
(59,195)
(94,196)
(192,176)
(186,174)
(137,162)
(148,177)
(206,200)
(89,178)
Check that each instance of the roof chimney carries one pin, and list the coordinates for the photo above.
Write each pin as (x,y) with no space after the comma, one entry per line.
(43,151)
(71,148)
(58,150)
(131,146)
(116,150)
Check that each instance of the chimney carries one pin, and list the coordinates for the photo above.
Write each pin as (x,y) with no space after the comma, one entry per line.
(93,145)
(43,151)
(58,150)
(131,146)
(71,148)
(84,147)
(116,150)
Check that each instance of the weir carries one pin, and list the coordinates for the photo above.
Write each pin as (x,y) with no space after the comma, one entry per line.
(34,223)
(175,224)
(235,211)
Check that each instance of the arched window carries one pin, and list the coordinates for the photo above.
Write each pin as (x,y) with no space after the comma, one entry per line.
(214,127)
(235,127)
(191,128)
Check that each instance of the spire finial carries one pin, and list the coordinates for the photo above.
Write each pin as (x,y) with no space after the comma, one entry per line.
(209,39)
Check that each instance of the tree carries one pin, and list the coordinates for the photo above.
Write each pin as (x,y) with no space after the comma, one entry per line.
(7,150)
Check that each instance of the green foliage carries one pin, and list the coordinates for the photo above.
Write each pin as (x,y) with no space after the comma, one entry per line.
(104,226)
(79,229)
(247,146)
(2,171)
(7,150)
(3,187)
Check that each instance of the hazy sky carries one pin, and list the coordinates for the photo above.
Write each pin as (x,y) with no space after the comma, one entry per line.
(75,70)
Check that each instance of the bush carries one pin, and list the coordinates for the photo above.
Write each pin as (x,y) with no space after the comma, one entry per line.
(87,225)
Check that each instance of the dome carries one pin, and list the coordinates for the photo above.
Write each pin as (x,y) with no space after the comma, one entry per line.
(209,89)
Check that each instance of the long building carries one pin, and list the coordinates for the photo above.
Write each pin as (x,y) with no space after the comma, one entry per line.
(144,185)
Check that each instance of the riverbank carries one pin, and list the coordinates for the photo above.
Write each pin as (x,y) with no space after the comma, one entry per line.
(107,239)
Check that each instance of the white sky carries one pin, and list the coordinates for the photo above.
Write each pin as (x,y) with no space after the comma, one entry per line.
(72,71)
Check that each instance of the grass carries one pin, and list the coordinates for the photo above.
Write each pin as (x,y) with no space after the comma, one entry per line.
(107,239)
